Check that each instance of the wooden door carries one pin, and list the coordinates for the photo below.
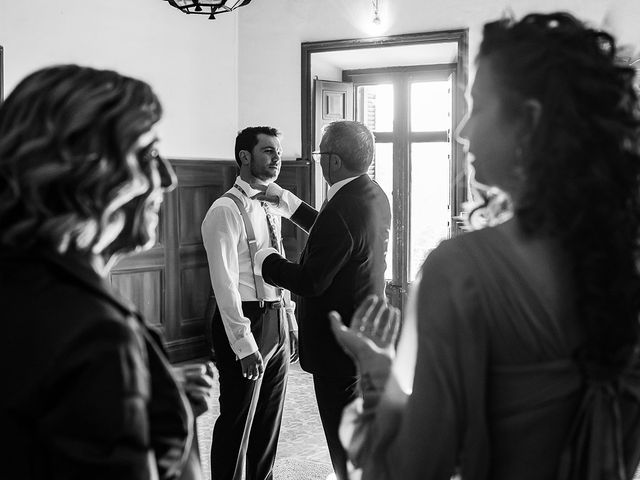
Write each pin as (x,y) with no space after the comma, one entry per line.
(333,102)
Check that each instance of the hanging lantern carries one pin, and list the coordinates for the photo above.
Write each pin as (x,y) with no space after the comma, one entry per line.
(208,7)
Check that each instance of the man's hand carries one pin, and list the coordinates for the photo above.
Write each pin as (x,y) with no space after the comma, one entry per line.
(252,366)
(262,196)
(293,346)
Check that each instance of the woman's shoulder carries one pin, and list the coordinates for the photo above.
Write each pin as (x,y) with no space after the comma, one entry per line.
(459,252)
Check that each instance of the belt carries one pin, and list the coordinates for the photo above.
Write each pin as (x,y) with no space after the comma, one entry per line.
(274,305)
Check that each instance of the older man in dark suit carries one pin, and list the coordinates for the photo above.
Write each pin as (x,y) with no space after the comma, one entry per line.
(342,262)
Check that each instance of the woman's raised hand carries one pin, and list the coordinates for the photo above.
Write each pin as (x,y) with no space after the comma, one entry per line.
(371,338)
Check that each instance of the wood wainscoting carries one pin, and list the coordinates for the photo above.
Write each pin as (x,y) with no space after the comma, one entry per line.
(170,282)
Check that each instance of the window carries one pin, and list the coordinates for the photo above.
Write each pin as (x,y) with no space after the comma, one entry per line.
(410,112)
(409,90)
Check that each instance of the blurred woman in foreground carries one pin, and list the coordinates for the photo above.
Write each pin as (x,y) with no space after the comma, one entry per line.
(519,355)
(88,391)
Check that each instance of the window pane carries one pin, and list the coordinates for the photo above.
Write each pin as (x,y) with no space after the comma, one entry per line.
(382,172)
(430,106)
(429,205)
(375,107)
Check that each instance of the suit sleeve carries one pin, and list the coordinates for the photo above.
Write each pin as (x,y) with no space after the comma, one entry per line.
(304,216)
(289,206)
(327,250)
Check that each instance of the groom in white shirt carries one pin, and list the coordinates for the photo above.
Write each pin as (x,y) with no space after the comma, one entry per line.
(254,330)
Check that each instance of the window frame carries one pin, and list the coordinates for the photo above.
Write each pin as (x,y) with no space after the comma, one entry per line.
(402,138)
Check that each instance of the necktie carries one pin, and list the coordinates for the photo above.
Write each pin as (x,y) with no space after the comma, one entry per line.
(272,227)
(271,223)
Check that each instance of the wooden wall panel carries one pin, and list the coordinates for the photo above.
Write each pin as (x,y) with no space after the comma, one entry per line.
(170,283)
(294,177)
(194,292)
(194,204)
(145,289)
(200,182)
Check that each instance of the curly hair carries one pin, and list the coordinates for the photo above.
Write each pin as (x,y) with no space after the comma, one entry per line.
(582,165)
(353,142)
(65,132)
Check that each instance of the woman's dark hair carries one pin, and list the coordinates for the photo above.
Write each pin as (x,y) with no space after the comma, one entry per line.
(64,136)
(582,165)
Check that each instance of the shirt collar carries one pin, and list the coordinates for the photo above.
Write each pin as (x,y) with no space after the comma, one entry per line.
(333,189)
(246,188)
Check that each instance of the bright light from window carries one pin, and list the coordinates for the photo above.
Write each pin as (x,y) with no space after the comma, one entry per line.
(375,107)
(383,174)
(430,106)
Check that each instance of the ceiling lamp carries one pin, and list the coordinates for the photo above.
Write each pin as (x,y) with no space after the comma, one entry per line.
(208,7)
(376,11)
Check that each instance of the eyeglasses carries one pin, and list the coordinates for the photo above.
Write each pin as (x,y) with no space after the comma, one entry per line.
(317,155)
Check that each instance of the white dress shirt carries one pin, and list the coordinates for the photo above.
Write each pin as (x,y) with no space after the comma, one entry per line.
(225,241)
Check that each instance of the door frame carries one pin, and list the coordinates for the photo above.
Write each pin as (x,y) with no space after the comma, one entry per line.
(458,172)
(460,36)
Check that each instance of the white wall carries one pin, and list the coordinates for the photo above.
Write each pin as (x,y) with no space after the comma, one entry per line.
(190,61)
(324,70)
(215,77)
(271,31)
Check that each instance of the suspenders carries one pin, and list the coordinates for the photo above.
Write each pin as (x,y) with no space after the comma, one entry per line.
(253,248)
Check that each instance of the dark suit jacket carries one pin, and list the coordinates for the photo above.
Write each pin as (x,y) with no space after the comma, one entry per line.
(342,262)
(88,391)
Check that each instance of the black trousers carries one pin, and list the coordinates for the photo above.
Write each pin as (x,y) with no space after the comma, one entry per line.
(268,328)
(332,395)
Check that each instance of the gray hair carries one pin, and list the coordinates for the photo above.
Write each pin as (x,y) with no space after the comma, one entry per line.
(353,142)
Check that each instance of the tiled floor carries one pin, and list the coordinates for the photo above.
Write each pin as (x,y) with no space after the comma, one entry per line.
(302,449)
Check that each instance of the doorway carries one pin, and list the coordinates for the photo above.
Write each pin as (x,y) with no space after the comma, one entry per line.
(409,90)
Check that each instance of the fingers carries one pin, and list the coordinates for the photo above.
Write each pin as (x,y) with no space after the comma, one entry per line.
(197,392)
(336,322)
(367,318)
(363,312)
(350,341)
(389,326)
(338,328)
(294,357)
(293,347)
(255,372)
(274,199)
(254,369)
(251,373)
(376,320)
(200,374)
(373,323)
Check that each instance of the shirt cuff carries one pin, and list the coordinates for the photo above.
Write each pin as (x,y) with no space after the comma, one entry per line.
(288,202)
(245,346)
(259,259)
